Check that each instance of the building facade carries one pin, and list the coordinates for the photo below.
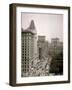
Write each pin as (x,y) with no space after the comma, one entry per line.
(56,46)
(44,58)
(42,45)
(28,48)
(56,51)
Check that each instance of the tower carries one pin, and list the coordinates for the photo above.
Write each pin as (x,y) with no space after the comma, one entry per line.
(28,48)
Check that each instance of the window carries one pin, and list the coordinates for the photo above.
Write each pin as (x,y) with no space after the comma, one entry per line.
(25,57)
(22,53)
(22,56)
(25,63)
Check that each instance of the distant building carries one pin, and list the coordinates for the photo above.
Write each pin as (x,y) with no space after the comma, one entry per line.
(56,51)
(55,41)
(42,45)
(41,38)
(43,54)
(56,46)
(28,48)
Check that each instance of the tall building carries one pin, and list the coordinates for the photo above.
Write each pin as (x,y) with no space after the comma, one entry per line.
(44,58)
(28,48)
(42,47)
(56,46)
(56,51)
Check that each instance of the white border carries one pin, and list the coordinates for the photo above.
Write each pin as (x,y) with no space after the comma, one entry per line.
(64,77)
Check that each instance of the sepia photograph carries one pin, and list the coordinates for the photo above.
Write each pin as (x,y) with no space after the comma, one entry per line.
(39,44)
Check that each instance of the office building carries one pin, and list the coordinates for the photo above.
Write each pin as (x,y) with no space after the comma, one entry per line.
(28,48)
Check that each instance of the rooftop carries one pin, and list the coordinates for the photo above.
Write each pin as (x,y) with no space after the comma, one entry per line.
(31,28)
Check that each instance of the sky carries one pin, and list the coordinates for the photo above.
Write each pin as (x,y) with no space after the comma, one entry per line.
(49,25)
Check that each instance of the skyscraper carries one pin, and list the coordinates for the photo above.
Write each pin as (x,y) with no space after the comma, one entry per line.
(28,48)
